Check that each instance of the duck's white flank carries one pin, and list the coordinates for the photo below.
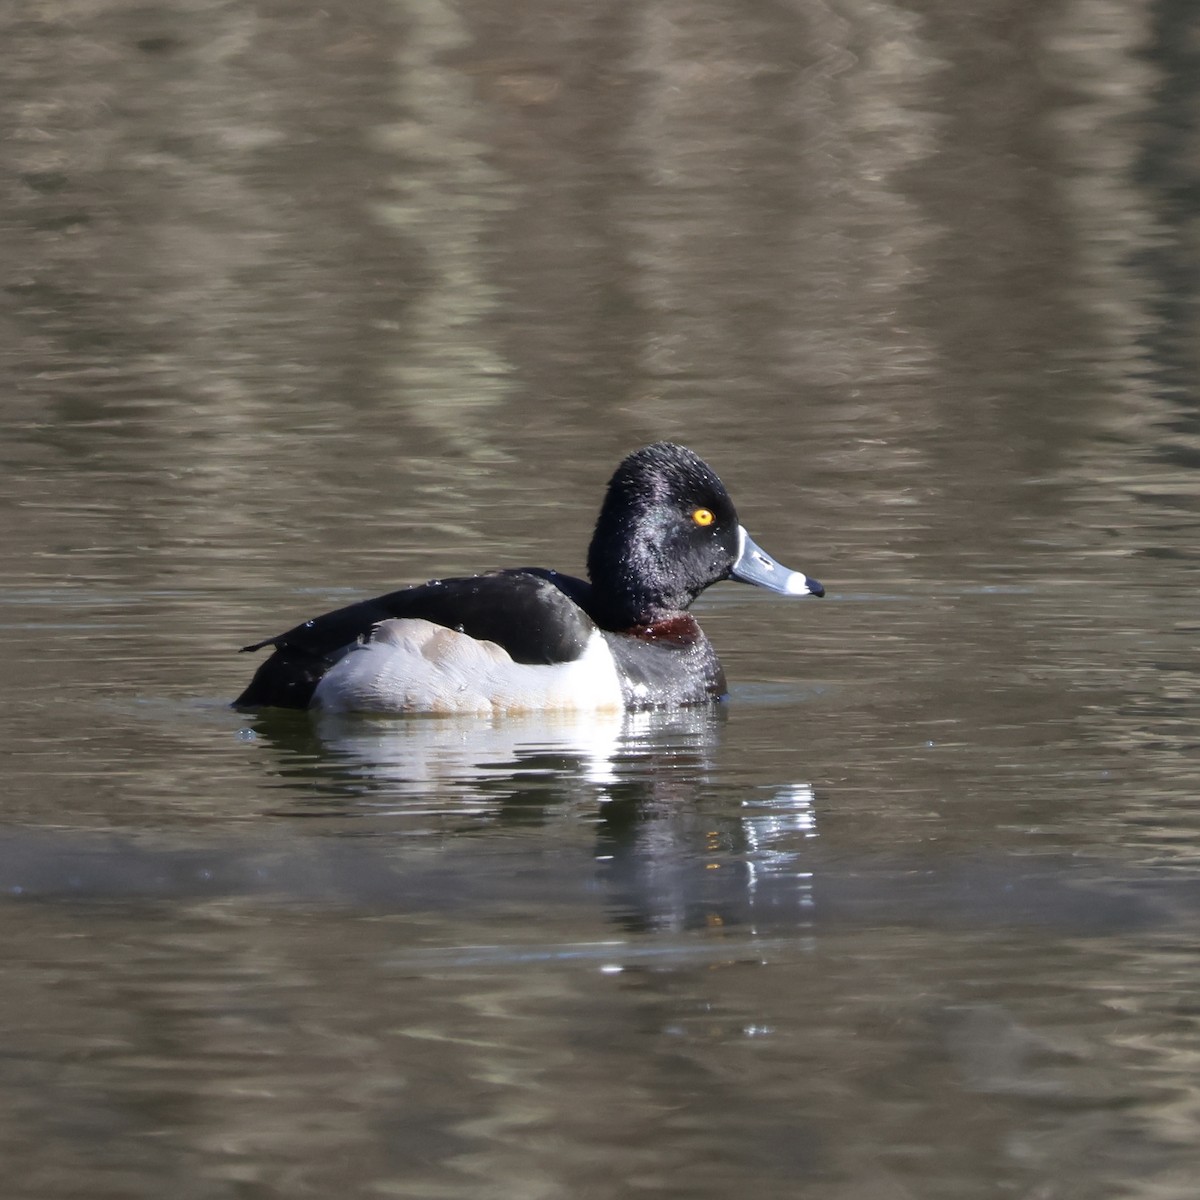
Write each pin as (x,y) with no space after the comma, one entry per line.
(414,666)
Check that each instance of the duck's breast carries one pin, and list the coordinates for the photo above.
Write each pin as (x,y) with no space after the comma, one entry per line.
(667,664)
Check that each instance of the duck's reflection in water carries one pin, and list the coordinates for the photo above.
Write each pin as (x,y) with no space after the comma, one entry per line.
(672,865)
(463,765)
(448,759)
(674,842)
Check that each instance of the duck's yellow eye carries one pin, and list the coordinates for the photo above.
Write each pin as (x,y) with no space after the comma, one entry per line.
(703,516)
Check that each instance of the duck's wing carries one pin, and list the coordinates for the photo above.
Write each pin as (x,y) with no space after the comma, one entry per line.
(529,613)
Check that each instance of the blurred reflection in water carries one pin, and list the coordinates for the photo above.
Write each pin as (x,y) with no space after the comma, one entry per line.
(447,371)
(405,766)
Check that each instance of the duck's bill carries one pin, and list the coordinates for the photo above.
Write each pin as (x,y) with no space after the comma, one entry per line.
(755,565)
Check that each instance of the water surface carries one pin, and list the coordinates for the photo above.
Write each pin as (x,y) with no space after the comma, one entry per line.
(303,304)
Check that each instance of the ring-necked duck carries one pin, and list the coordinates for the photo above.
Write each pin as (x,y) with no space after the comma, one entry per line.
(532,639)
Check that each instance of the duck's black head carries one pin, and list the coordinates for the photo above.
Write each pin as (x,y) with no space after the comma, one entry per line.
(666,531)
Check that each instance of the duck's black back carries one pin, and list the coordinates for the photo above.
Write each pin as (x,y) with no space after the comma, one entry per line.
(534,614)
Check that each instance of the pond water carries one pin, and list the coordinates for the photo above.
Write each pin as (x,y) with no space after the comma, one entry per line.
(304,303)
